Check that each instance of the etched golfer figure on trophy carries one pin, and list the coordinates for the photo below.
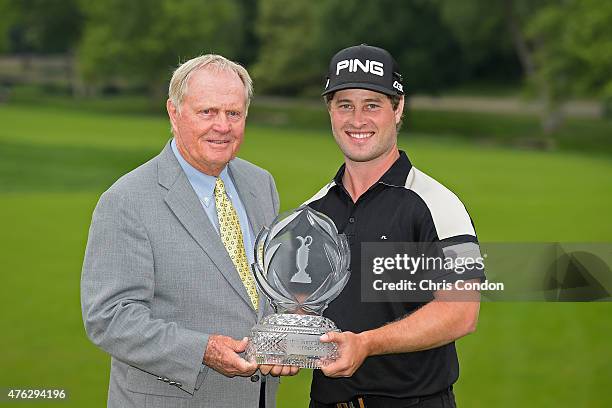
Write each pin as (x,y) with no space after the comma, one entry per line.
(301,265)
(301,261)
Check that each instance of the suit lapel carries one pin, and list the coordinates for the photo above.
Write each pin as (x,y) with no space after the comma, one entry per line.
(248,196)
(250,199)
(185,204)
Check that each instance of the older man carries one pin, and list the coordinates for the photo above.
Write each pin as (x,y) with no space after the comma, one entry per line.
(166,286)
(392,354)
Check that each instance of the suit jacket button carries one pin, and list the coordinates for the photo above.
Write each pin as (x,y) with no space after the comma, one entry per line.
(254,378)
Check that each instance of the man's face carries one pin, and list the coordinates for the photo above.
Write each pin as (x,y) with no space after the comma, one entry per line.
(364,123)
(210,125)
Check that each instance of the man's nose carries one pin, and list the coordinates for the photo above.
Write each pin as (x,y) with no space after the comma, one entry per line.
(358,119)
(222,124)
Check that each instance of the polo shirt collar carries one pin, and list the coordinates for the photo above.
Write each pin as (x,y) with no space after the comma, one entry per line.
(395,176)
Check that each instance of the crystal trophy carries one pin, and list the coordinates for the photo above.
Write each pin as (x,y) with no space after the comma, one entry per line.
(301,265)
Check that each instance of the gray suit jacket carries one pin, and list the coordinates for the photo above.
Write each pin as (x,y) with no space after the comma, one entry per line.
(157,281)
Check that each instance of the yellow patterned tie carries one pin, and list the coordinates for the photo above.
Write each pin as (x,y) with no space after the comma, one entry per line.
(231,236)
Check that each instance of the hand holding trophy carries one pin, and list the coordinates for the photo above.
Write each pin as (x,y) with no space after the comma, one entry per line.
(301,265)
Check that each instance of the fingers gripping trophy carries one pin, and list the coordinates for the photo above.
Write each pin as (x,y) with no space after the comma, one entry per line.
(301,265)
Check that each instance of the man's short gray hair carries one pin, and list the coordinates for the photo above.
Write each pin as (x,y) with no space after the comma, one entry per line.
(178,84)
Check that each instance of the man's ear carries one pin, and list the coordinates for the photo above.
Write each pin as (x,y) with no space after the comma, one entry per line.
(172,112)
(399,111)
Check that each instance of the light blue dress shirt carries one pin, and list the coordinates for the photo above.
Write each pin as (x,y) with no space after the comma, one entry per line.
(204,186)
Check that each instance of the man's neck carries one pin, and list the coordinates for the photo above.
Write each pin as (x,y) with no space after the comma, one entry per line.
(360,176)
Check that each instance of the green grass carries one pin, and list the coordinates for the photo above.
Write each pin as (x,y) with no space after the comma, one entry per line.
(593,137)
(55,162)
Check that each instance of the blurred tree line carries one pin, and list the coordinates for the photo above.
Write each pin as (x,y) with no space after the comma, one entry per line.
(558,49)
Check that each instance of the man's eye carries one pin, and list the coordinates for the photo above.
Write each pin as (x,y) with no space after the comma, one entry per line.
(206,111)
(372,106)
(234,114)
(345,106)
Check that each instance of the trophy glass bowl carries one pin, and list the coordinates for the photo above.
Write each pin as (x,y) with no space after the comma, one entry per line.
(301,265)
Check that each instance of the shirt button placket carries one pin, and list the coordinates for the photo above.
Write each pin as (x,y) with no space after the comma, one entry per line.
(350,227)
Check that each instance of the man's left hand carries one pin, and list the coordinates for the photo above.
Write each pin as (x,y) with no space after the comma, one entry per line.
(352,350)
(278,370)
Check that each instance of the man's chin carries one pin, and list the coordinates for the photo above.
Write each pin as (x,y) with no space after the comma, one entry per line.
(221,160)
(360,157)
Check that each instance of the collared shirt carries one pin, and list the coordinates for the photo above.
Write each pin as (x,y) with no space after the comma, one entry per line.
(404,205)
(204,187)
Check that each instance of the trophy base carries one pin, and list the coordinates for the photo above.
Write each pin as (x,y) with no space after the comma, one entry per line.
(292,339)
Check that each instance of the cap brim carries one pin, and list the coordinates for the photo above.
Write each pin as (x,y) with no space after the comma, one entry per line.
(361,85)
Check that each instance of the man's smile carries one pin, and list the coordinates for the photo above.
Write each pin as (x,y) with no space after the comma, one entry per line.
(359,135)
(217,141)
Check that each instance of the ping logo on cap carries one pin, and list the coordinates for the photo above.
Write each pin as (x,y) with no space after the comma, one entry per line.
(370,66)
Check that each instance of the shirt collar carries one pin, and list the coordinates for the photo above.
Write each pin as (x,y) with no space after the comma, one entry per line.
(203,184)
(395,176)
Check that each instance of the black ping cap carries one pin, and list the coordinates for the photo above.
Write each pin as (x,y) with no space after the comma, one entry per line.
(364,67)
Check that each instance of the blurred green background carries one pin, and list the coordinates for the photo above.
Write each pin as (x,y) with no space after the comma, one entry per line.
(509,106)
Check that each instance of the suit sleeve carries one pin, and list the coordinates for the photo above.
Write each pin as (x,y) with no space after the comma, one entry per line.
(117,286)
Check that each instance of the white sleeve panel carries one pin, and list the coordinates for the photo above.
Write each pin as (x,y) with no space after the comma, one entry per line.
(320,194)
(448,212)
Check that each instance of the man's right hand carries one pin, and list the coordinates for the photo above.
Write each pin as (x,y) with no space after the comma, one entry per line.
(222,355)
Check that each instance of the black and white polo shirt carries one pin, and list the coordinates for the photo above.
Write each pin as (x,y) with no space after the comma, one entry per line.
(405,205)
